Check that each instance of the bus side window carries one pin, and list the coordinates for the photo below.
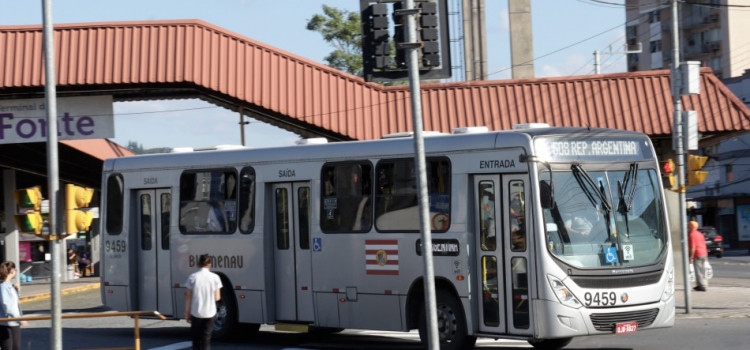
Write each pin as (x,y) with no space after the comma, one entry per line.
(115,190)
(396,204)
(208,201)
(487,220)
(247,200)
(517,215)
(346,200)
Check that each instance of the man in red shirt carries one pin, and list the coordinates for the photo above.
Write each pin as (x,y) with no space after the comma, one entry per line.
(698,255)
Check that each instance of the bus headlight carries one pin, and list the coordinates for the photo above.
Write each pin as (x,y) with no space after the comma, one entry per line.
(669,289)
(563,294)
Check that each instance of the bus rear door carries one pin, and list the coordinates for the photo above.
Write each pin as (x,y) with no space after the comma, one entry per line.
(502,251)
(293,263)
(152,247)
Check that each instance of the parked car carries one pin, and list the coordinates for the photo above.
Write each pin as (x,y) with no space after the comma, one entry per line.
(714,241)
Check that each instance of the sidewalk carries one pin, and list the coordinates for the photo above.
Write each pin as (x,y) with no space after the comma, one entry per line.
(725,298)
(39,290)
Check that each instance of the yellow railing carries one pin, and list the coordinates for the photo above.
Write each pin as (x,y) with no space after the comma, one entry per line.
(134,314)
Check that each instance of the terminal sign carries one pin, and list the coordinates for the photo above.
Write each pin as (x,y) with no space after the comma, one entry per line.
(77,118)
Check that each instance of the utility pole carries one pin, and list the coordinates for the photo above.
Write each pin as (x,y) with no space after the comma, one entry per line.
(412,47)
(679,147)
(242,125)
(597,65)
(53,182)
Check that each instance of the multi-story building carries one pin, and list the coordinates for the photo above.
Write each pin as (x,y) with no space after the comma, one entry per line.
(713,32)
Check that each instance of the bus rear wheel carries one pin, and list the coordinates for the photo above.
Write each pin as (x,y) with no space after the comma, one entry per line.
(451,323)
(225,324)
(550,344)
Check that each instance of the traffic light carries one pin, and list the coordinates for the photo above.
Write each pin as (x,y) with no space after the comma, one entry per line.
(29,201)
(428,33)
(667,173)
(381,63)
(77,197)
(376,46)
(399,34)
(695,164)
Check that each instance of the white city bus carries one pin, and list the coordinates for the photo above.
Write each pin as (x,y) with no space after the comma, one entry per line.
(542,234)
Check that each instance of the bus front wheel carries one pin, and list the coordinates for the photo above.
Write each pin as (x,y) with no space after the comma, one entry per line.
(550,344)
(451,323)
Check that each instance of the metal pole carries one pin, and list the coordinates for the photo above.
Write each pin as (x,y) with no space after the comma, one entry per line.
(679,147)
(53,183)
(597,66)
(242,127)
(412,58)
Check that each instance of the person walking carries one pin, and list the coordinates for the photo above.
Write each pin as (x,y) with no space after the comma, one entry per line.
(10,332)
(698,256)
(203,291)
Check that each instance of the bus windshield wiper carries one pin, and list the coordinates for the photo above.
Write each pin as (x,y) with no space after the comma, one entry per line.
(625,205)
(631,177)
(584,179)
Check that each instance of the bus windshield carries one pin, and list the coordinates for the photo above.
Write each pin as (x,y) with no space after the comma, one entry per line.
(603,218)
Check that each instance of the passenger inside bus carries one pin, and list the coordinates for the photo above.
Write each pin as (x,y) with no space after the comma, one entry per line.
(347,205)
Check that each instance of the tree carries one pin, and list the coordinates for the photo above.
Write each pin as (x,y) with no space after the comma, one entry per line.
(340,28)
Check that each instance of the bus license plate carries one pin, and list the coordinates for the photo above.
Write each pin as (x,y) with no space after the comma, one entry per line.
(625,328)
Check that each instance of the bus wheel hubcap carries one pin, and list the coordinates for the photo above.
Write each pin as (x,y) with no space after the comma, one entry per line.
(446,323)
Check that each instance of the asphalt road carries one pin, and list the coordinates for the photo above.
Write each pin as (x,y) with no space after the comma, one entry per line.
(734,264)
(710,333)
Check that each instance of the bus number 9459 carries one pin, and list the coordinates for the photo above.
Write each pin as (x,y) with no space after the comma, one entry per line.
(600,298)
(115,246)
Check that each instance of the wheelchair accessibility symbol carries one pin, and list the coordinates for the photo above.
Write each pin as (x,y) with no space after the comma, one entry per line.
(610,255)
(317,244)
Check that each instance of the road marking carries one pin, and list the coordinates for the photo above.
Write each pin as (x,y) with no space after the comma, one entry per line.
(178,346)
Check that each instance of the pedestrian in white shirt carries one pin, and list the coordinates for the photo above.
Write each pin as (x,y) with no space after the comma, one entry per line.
(203,291)
(10,332)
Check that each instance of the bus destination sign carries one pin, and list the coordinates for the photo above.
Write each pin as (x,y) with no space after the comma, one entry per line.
(592,148)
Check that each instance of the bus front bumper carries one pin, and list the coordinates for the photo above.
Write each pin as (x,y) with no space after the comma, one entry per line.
(554,320)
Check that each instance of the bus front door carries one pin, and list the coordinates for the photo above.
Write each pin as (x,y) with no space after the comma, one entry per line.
(293,263)
(502,251)
(152,246)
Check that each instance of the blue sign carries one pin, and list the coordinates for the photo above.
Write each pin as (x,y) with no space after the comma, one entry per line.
(317,244)
(610,255)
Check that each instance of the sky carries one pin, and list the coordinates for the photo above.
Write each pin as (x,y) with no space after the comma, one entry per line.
(566,34)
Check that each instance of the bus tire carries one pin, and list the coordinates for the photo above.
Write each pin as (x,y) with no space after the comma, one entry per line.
(550,344)
(451,320)
(225,324)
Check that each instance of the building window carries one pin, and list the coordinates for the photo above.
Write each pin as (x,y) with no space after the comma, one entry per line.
(654,16)
(729,172)
(654,46)
(632,32)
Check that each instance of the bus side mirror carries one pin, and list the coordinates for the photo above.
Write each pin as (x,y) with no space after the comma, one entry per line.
(545,194)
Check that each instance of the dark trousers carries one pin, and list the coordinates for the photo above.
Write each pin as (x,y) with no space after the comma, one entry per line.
(10,338)
(201,329)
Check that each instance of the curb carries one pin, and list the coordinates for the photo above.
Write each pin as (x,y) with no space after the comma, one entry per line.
(47,295)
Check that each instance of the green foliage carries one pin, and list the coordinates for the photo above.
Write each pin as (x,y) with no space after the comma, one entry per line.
(137,148)
(342,29)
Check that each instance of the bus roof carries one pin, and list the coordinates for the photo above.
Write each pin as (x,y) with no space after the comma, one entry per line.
(394,147)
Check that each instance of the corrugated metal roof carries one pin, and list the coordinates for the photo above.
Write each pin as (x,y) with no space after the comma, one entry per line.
(300,92)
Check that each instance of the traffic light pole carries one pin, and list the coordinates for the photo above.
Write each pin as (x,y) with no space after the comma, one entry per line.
(679,147)
(412,57)
(53,183)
